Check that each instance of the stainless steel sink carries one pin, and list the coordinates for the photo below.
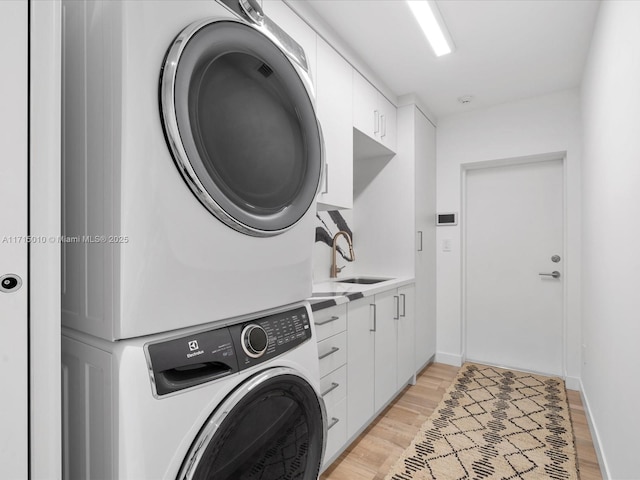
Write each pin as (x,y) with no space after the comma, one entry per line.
(362,280)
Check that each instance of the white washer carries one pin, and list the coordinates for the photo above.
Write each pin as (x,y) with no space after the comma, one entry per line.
(240,402)
(192,156)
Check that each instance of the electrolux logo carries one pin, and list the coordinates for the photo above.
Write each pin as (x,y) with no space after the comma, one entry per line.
(195,349)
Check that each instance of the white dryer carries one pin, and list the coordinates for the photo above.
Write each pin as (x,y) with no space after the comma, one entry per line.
(192,156)
(239,402)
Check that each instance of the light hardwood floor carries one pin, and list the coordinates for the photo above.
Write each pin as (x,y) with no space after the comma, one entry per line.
(374,452)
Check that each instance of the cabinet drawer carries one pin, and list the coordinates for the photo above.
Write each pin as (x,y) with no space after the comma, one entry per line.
(337,434)
(332,353)
(334,388)
(330,321)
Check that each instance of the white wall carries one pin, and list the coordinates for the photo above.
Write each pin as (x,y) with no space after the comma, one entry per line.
(535,126)
(611,229)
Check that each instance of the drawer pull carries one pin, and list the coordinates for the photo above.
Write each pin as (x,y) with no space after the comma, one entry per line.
(330,352)
(324,322)
(333,422)
(375,317)
(333,386)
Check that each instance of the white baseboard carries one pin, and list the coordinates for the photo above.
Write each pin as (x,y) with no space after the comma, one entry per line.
(573,383)
(449,358)
(602,461)
(432,359)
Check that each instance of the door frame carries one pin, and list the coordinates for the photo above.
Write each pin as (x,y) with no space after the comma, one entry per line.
(44,150)
(507,162)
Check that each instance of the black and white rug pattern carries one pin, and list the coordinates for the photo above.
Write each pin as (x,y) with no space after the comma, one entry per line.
(494,424)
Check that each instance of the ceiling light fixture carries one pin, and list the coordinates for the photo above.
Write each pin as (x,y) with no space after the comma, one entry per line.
(432,24)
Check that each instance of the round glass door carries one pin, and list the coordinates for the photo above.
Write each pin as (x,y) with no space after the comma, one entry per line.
(241,127)
(272,428)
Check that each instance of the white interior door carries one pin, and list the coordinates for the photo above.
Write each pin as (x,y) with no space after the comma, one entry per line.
(14,353)
(514,226)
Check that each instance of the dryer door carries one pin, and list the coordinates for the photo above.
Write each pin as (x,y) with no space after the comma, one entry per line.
(272,427)
(241,126)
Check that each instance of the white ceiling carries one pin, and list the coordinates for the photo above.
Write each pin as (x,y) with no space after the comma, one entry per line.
(505,49)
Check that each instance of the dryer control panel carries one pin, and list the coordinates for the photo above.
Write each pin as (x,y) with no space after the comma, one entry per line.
(201,357)
(276,334)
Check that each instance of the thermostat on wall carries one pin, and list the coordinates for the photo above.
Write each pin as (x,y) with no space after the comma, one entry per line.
(447,218)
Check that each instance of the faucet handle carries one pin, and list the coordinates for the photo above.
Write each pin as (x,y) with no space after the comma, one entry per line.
(339,269)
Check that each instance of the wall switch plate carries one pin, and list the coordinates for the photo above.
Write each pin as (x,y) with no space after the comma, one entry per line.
(446,245)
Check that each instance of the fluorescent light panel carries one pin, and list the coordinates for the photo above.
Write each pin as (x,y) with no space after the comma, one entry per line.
(430,20)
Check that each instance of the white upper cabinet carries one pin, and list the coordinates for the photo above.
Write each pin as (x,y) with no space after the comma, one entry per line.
(334,105)
(296,28)
(373,114)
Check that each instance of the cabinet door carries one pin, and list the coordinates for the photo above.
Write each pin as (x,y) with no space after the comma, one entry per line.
(335,107)
(425,185)
(297,28)
(386,316)
(365,105)
(388,117)
(360,364)
(406,332)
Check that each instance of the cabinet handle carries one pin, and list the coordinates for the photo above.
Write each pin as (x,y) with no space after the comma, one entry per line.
(333,422)
(333,386)
(420,247)
(330,352)
(375,318)
(383,128)
(329,320)
(326,179)
(397,300)
(376,121)
(404,305)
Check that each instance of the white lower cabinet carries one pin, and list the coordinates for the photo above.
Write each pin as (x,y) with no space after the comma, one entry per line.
(360,364)
(366,350)
(386,346)
(406,332)
(334,393)
(332,352)
(331,335)
(380,351)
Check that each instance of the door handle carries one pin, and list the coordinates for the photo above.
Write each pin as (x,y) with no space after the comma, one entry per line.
(375,318)
(333,423)
(554,274)
(324,322)
(330,352)
(333,386)
(397,302)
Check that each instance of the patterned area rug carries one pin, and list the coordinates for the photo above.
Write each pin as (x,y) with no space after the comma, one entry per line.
(494,424)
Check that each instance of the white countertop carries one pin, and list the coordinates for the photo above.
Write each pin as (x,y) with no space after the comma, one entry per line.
(339,292)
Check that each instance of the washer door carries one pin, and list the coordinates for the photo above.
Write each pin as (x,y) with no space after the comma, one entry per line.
(241,126)
(271,428)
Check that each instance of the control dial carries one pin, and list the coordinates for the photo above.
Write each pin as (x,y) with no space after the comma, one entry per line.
(254,340)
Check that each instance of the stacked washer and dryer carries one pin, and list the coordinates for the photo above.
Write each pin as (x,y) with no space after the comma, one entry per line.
(192,156)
